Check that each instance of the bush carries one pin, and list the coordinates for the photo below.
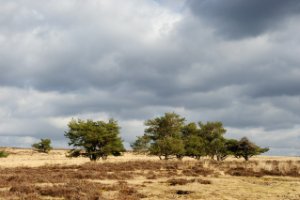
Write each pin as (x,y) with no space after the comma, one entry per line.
(3,154)
(44,146)
(179,181)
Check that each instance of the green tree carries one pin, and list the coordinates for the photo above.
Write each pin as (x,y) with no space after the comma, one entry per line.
(141,145)
(225,147)
(168,147)
(231,146)
(215,143)
(44,146)
(94,139)
(164,135)
(246,149)
(194,144)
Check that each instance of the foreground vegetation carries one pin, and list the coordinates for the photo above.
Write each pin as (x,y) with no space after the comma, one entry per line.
(154,179)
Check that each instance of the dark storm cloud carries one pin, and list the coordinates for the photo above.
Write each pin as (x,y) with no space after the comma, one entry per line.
(288,87)
(244,18)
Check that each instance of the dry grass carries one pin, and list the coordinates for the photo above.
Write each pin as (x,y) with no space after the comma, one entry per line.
(149,178)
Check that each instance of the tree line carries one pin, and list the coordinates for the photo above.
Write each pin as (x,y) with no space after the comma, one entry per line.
(168,136)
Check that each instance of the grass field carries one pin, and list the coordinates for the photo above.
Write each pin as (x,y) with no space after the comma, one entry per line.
(30,175)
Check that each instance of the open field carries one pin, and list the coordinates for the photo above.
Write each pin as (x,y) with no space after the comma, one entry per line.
(27,175)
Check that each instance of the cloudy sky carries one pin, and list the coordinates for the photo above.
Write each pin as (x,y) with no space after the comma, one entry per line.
(237,61)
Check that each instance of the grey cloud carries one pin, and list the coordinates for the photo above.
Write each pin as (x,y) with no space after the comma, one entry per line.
(35,128)
(242,18)
(62,63)
(285,87)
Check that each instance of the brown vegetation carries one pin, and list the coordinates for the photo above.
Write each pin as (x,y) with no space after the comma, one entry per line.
(148,179)
(184,181)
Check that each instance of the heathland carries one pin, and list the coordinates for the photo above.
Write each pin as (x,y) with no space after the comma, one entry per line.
(26,174)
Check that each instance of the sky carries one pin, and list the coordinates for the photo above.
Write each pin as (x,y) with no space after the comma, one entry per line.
(235,61)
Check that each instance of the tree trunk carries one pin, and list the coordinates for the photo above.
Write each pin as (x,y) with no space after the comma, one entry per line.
(93,157)
(179,157)
(104,157)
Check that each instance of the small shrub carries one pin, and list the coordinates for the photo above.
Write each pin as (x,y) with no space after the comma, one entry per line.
(128,193)
(26,189)
(240,171)
(44,146)
(197,171)
(151,175)
(203,181)
(3,154)
(178,181)
(183,192)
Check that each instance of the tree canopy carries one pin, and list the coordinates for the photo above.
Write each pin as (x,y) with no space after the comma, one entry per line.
(194,144)
(169,136)
(94,139)
(213,135)
(164,135)
(141,145)
(246,149)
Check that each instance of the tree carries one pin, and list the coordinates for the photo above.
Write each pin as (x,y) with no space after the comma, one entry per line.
(44,146)
(193,143)
(164,135)
(141,145)
(215,143)
(226,147)
(246,149)
(168,147)
(94,139)
(168,136)
(231,146)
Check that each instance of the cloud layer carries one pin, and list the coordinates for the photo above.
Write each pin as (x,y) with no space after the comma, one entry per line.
(241,18)
(234,61)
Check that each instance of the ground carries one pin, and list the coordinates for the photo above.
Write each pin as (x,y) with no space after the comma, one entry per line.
(30,175)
